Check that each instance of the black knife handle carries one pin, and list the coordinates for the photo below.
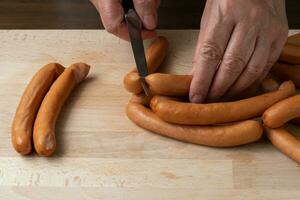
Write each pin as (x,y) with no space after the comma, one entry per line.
(127,4)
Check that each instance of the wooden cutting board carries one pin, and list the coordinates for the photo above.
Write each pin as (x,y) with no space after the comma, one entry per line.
(101,154)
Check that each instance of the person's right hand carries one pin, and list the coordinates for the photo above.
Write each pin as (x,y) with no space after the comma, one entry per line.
(112,15)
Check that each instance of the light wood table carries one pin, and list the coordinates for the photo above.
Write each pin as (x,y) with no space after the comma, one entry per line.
(103,155)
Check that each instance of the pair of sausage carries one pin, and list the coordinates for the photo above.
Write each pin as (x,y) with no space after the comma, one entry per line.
(40,106)
(276,117)
(215,136)
(30,102)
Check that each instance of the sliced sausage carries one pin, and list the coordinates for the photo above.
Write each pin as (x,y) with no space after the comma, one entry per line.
(169,85)
(155,55)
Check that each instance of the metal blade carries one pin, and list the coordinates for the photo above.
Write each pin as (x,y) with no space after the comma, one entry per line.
(135,28)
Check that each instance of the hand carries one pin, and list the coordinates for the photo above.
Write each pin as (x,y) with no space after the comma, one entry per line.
(112,15)
(238,43)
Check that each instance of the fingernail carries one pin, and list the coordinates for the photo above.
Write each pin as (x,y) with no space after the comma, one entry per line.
(149,22)
(197,98)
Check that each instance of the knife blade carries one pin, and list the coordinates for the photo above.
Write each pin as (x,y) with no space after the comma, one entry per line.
(134,24)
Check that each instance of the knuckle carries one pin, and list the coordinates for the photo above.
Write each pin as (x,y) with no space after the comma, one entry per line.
(111,28)
(256,13)
(210,52)
(217,92)
(233,64)
(255,70)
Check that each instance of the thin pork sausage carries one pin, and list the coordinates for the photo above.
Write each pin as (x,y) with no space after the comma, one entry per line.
(44,126)
(291,50)
(216,113)
(29,105)
(215,136)
(280,113)
(285,141)
(287,72)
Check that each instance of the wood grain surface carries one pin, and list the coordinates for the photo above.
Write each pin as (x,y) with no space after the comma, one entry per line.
(103,155)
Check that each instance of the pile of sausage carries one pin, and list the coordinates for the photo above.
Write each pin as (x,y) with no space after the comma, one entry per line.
(40,105)
(221,124)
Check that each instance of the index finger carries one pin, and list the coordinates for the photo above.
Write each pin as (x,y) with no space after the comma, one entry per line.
(112,15)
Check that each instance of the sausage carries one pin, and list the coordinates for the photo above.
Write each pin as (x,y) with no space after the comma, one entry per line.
(169,85)
(29,104)
(291,50)
(285,141)
(44,126)
(216,113)
(141,99)
(280,113)
(287,72)
(177,85)
(269,85)
(290,54)
(294,39)
(215,136)
(155,55)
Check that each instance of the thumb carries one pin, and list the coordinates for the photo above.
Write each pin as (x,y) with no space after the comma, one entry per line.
(147,11)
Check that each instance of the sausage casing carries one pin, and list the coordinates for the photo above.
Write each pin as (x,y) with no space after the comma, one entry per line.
(29,105)
(287,72)
(217,113)
(285,141)
(280,113)
(214,136)
(44,126)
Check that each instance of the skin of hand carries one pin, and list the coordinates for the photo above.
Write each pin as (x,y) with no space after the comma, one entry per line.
(112,15)
(238,43)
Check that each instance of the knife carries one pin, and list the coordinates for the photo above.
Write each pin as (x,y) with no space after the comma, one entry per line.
(134,25)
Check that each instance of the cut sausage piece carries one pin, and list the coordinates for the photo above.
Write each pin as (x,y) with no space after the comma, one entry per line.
(169,85)
(141,99)
(155,54)
(287,72)
(29,105)
(179,85)
(44,126)
(216,113)
(215,136)
(280,113)
(286,142)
